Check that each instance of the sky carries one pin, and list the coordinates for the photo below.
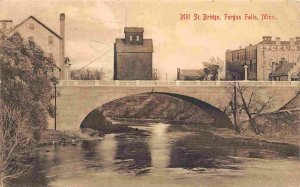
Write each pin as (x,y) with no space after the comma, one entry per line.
(93,26)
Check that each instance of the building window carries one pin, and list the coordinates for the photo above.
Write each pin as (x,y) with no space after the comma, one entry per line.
(250,65)
(50,40)
(130,38)
(31,38)
(4,25)
(31,26)
(137,38)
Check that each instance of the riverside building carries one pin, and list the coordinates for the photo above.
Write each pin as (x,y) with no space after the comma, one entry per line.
(133,56)
(265,57)
(51,43)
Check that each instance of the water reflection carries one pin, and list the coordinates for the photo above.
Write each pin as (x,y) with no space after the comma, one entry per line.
(107,149)
(91,156)
(151,154)
(160,151)
(133,153)
(201,151)
(37,177)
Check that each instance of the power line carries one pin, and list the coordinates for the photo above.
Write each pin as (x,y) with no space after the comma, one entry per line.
(101,42)
(94,60)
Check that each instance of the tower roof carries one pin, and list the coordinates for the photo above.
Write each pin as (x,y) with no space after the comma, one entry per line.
(133,29)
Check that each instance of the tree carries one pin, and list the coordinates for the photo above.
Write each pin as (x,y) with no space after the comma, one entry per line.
(87,74)
(16,144)
(235,71)
(156,74)
(249,102)
(27,81)
(212,67)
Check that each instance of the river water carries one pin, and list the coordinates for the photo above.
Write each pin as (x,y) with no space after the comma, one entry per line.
(156,156)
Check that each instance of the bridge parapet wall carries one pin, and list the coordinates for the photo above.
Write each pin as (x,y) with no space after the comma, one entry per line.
(175,83)
(78,98)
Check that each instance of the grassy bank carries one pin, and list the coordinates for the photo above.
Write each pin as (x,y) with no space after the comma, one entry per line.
(197,136)
(51,137)
(156,107)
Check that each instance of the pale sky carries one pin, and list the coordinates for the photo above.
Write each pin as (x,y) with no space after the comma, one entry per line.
(92,26)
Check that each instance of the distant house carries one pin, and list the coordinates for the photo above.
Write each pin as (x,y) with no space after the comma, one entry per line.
(281,71)
(133,56)
(51,43)
(191,74)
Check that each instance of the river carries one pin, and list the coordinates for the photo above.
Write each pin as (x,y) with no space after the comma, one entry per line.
(155,156)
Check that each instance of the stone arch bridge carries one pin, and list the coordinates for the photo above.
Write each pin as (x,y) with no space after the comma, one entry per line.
(78,98)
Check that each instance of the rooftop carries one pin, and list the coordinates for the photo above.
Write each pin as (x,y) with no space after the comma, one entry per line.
(39,22)
(134,29)
(6,20)
(192,72)
(268,40)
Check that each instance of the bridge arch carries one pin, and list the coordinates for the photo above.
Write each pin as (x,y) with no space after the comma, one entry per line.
(76,101)
(220,118)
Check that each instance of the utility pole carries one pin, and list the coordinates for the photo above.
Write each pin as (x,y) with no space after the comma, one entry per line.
(54,105)
(55,95)
(234,109)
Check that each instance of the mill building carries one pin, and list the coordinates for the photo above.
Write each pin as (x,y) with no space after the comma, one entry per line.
(133,56)
(52,43)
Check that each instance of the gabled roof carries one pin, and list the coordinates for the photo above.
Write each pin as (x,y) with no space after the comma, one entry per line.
(39,22)
(134,29)
(122,47)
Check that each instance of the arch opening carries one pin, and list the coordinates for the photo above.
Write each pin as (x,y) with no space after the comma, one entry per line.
(160,106)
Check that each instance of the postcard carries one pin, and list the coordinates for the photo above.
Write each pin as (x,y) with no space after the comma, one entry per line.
(150,93)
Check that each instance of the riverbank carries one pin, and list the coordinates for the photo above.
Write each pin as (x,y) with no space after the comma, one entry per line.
(57,137)
(228,137)
(277,133)
(52,137)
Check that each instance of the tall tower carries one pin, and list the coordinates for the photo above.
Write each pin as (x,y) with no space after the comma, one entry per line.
(133,56)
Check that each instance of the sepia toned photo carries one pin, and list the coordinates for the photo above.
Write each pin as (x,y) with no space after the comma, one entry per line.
(141,93)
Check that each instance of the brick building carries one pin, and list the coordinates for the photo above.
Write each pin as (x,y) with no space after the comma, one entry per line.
(51,43)
(263,57)
(133,56)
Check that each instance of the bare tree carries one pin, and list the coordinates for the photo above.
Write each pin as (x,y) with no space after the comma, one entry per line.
(249,102)
(232,108)
(87,74)
(156,74)
(17,145)
(212,67)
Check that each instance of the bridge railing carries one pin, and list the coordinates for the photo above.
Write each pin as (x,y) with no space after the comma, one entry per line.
(173,83)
